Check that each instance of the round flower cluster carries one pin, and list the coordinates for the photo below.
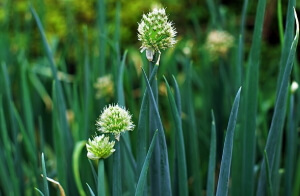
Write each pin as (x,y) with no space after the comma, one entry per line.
(104,87)
(218,43)
(99,148)
(156,32)
(115,120)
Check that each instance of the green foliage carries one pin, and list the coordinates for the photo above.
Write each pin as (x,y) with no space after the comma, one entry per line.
(54,54)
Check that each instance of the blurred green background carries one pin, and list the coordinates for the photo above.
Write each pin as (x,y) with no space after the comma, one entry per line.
(88,41)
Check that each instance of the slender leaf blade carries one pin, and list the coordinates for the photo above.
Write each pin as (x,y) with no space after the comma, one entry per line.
(164,164)
(45,182)
(222,189)
(143,175)
(276,128)
(91,191)
(180,148)
(250,102)
(212,159)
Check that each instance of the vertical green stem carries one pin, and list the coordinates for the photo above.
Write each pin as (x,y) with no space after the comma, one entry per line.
(117,182)
(101,183)
(250,103)
(155,162)
(164,162)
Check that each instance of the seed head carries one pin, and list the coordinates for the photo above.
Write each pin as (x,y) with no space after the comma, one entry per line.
(115,120)
(156,32)
(99,148)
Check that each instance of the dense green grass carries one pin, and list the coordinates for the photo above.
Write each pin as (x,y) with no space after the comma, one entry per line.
(204,125)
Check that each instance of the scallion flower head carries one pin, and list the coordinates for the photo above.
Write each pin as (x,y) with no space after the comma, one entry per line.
(104,87)
(115,120)
(218,43)
(99,147)
(156,32)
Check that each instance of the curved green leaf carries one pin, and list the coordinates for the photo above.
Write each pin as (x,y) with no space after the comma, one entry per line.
(76,155)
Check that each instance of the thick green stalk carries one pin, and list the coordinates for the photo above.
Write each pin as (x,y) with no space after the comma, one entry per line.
(155,174)
(116,177)
(164,162)
(101,181)
(250,103)
(142,130)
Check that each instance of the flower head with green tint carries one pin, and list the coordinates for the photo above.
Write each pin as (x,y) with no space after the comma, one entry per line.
(218,43)
(115,120)
(156,32)
(104,87)
(99,148)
